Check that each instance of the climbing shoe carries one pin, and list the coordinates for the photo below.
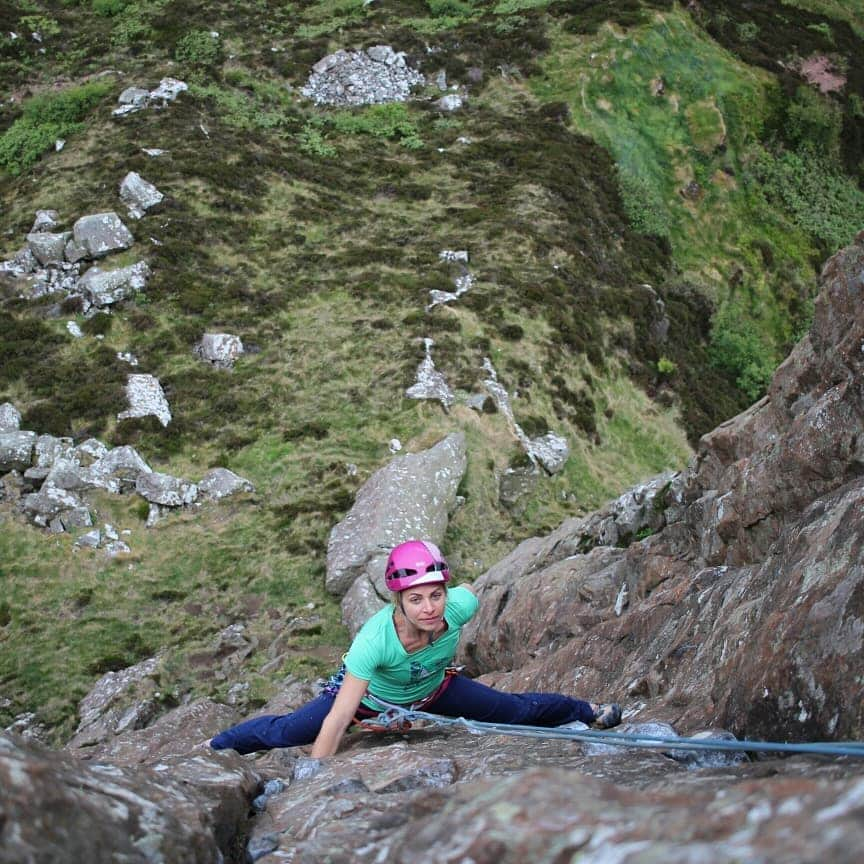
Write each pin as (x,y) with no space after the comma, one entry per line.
(607,716)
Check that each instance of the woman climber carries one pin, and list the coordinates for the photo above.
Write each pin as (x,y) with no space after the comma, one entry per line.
(400,658)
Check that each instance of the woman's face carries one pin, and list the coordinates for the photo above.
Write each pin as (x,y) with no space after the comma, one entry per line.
(424,605)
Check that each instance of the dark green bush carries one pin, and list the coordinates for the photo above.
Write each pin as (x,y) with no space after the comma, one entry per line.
(198,48)
(739,347)
(98,325)
(43,120)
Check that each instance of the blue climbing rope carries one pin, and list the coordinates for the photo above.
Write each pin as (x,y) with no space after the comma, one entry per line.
(395,718)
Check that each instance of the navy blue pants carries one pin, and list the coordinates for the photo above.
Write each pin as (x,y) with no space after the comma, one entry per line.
(461,698)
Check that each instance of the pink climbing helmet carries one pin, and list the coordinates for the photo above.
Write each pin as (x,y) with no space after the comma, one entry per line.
(415,562)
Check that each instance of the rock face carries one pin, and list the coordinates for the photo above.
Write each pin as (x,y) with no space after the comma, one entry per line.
(54,808)
(369,77)
(455,797)
(411,497)
(743,610)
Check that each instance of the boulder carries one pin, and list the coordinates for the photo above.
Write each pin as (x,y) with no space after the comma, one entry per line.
(48,503)
(220,349)
(100,234)
(101,710)
(551,451)
(105,287)
(135,96)
(90,451)
(45,221)
(165,490)
(10,418)
(220,483)
(138,194)
(167,91)
(449,103)
(46,452)
(187,812)
(123,464)
(48,248)
(410,497)
(146,398)
(68,474)
(16,450)
(78,518)
(90,540)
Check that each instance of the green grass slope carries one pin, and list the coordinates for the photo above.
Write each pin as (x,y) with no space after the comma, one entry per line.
(314,235)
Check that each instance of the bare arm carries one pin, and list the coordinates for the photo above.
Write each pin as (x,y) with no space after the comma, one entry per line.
(341,714)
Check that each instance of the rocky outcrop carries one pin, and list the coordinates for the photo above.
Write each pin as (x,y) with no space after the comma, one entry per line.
(378,74)
(54,808)
(220,349)
(549,451)
(51,262)
(430,383)
(52,475)
(743,608)
(134,99)
(410,497)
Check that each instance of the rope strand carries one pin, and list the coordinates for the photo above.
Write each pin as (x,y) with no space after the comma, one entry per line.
(395,714)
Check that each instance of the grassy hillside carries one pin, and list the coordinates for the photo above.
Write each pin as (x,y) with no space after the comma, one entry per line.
(314,235)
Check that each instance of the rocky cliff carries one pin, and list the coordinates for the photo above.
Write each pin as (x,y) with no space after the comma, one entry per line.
(743,610)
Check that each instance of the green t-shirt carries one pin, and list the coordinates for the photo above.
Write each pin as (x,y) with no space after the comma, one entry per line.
(377,656)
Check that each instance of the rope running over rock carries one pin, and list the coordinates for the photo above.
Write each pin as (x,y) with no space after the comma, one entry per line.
(397,718)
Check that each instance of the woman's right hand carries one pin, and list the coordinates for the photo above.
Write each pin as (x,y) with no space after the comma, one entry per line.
(345,705)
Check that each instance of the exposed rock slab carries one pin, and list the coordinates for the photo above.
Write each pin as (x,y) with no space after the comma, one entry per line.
(146,398)
(410,497)
(220,483)
(220,349)
(165,490)
(54,808)
(430,383)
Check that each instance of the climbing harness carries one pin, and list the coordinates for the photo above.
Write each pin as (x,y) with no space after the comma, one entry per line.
(396,714)
(391,717)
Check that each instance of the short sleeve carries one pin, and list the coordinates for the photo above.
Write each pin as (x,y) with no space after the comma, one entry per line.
(362,659)
(462,606)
